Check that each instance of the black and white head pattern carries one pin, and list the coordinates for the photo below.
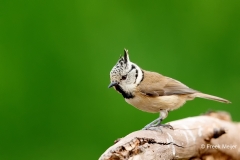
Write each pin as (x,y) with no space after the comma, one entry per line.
(126,74)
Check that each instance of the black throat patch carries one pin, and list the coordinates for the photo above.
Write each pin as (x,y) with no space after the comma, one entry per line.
(124,94)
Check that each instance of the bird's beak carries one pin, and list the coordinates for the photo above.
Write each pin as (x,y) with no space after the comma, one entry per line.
(112,84)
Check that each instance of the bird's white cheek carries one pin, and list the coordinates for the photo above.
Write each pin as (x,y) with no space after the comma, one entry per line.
(129,87)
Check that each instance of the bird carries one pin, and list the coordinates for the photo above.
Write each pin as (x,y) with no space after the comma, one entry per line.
(150,91)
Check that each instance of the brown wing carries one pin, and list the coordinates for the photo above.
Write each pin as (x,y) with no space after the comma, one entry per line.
(155,84)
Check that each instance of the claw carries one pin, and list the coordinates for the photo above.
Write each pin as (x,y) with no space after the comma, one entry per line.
(157,124)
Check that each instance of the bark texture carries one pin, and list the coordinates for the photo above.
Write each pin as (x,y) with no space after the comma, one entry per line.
(212,137)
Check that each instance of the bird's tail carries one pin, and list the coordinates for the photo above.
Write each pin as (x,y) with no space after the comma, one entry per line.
(207,96)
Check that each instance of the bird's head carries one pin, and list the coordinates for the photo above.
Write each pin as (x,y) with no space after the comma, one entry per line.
(125,74)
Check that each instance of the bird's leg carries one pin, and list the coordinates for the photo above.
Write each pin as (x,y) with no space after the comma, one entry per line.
(157,122)
(154,123)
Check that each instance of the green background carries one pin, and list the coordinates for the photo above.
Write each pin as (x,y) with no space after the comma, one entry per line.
(55,59)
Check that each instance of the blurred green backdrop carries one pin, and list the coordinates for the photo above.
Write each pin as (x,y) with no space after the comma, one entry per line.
(55,59)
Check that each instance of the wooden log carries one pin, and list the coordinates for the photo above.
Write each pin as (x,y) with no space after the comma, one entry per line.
(212,137)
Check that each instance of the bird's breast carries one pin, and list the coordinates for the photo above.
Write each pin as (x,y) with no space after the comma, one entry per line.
(155,104)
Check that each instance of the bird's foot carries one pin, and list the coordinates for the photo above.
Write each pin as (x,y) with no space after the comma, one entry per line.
(159,127)
(167,126)
(156,124)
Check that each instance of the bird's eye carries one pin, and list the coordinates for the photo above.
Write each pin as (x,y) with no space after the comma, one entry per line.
(124,77)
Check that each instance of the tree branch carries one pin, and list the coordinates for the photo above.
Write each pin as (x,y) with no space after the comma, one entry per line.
(211,136)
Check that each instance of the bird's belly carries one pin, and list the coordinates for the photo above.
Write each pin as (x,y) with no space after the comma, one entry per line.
(155,104)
